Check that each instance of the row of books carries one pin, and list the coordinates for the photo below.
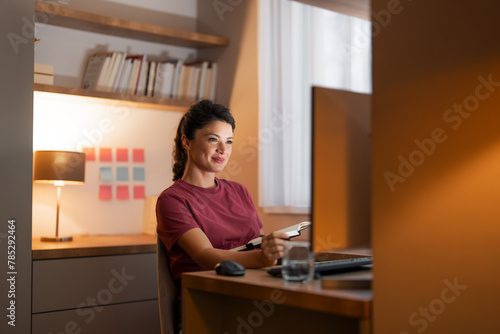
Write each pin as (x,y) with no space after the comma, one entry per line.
(135,75)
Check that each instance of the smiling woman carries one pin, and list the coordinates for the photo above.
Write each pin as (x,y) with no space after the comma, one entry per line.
(202,114)
(201,217)
(208,152)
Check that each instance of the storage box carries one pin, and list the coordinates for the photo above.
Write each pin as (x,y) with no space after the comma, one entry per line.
(44,74)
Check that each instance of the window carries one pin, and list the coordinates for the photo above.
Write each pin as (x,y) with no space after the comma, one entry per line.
(301,46)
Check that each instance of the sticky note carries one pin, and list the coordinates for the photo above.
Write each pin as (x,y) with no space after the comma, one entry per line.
(122,154)
(121,173)
(105,154)
(106,173)
(138,155)
(122,192)
(89,153)
(139,192)
(139,174)
(105,193)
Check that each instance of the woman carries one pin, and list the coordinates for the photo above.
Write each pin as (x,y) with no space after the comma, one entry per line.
(200,217)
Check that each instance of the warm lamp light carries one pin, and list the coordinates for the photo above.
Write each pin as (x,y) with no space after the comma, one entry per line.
(59,168)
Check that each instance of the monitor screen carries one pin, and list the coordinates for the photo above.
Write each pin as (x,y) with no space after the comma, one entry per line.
(341,169)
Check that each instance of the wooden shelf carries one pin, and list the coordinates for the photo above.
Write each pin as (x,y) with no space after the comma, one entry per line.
(76,19)
(132,100)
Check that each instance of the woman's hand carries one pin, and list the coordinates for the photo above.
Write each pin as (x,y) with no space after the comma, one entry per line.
(197,245)
(272,248)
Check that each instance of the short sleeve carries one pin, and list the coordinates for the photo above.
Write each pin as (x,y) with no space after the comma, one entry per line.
(174,219)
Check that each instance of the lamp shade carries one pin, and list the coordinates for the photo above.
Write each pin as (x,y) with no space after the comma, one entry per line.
(66,166)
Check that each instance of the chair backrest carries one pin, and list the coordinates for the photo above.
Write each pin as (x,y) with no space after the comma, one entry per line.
(166,289)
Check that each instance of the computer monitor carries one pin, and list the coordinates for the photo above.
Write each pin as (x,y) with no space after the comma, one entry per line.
(341,169)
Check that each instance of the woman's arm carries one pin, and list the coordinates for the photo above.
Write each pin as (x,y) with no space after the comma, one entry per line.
(197,245)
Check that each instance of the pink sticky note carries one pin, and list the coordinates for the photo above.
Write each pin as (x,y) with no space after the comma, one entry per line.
(139,192)
(105,193)
(122,154)
(105,154)
(122,192)
(138,155)
(89,153)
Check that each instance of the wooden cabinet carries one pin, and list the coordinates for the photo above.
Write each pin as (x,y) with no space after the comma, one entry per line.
(96,285)
(76,19)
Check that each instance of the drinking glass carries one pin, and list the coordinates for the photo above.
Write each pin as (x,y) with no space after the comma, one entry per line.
(298,262)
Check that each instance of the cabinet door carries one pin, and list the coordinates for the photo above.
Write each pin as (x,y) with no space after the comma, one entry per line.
(79,283)
(128,318)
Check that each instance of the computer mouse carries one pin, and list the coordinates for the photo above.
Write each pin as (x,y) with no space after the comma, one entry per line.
(229,268)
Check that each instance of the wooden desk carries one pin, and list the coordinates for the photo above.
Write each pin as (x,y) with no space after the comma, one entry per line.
(94,245)
(258,303)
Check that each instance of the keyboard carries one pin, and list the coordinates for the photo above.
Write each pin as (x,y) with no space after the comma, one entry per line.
(331,267)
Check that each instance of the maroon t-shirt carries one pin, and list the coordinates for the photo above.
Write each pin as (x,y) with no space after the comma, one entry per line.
(226,214)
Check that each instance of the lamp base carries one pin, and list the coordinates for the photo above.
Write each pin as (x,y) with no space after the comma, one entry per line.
(56,239)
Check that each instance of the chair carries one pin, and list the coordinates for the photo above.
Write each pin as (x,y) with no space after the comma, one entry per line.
(166,290)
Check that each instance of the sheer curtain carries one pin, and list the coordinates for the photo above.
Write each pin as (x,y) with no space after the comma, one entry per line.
(301,46)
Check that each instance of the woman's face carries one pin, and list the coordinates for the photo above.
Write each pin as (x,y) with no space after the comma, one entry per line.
(210,149)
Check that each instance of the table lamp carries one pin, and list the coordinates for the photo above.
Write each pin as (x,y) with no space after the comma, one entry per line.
(59,168)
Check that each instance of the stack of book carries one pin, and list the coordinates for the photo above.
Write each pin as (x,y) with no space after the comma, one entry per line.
(135,75)
(44,74)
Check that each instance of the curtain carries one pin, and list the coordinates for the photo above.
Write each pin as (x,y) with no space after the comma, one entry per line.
(301,46)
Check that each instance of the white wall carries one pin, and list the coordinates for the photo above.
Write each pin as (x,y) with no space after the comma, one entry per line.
(68,123)
(71,123)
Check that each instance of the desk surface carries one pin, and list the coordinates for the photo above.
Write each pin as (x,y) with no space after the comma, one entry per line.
(257,284)
(94,245)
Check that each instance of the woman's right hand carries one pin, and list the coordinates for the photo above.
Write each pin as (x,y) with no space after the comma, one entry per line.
(272,248)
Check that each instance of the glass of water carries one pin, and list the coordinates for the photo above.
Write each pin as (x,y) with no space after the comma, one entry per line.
(298,262)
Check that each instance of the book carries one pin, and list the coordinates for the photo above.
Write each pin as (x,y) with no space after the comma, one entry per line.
(206,89)
(158,78)
(141,80)
(139,86)
(124,77)
(193,83)
(203,80)
(105,71)
(183,82)
(177,73)
(115,65)
(132,81)
(103,83)
(291,231)
(95,65)
(196,79)
(165,79)
(119,75)
(135,74)
(151,78)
